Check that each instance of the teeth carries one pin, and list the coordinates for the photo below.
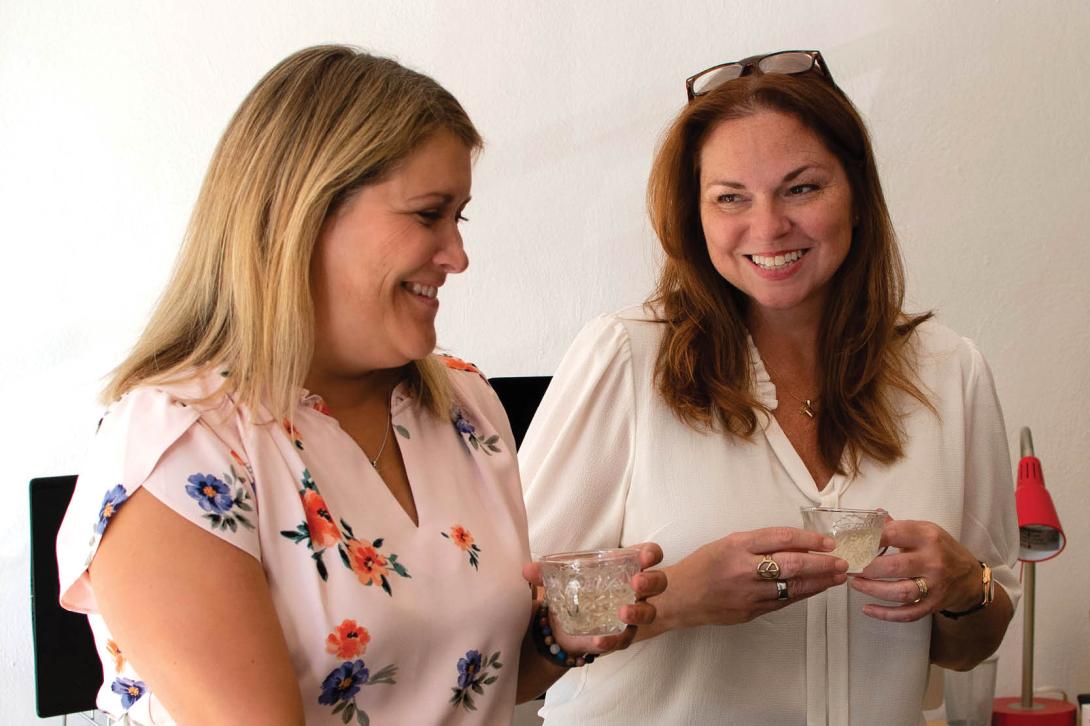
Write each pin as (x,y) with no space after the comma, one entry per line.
(776,262)
(424,290)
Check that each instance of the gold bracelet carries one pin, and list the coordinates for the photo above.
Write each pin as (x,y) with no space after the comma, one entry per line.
(989,595)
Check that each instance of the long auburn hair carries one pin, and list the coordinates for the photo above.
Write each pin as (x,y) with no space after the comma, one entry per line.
(320,125)
(703,366)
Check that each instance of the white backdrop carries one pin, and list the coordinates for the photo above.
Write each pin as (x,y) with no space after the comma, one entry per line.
(109,112)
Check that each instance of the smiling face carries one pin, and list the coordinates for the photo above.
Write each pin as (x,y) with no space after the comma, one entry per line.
(776,209)
(381,259)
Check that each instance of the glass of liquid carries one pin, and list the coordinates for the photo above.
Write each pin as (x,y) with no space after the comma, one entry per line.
(857,532)
(585,590)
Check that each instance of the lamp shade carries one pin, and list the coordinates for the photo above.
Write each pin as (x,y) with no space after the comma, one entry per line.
(1040,535)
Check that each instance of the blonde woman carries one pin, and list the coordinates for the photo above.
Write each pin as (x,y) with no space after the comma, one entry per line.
(295,512)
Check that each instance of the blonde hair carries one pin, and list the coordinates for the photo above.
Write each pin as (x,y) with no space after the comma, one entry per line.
(323,123)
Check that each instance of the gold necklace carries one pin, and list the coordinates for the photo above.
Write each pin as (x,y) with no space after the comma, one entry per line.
(808,407)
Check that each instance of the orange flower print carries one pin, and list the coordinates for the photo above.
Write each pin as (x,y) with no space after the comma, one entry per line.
(460,365)
(363,558)
(369,566)
(323,531)
(115,652)
(348,640)
(461,537)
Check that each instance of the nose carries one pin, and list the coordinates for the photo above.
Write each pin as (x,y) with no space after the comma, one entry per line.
(451,255)
(769,221)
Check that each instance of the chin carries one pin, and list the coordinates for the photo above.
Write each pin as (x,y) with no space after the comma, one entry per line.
(418,350)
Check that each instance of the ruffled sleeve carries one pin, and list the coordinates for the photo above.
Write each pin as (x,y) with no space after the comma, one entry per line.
(153,439)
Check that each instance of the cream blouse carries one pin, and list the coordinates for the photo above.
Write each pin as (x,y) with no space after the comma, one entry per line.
(606,463)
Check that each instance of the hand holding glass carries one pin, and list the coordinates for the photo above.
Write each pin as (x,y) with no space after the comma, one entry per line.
(857,532)
(585,590)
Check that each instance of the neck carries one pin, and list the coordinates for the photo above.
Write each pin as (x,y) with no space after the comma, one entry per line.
(368,390)
(788,341)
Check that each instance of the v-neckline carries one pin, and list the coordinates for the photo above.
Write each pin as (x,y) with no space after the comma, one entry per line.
(785,451)
(399,401)
(796,468)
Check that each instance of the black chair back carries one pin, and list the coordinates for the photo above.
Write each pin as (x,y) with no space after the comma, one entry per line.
(67,671)
(520,396)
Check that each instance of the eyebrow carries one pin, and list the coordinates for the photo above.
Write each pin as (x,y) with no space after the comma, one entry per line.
(441,196)
(790,176)
(446,198)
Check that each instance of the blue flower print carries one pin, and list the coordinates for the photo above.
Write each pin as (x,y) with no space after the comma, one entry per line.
(129,690)
(111,503)
(462,423)
(211,493)
(474,673)
(469,668)
(223,500)
(343,683)
(468,432)
(340,687)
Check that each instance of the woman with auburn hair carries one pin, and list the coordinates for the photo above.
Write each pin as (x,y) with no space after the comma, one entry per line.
(774,368)
(294,512)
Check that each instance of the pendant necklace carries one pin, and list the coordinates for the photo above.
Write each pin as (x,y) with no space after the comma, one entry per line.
(809,405)
(385,438)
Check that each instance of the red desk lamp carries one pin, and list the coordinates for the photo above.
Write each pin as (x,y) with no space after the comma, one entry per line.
(1041,538)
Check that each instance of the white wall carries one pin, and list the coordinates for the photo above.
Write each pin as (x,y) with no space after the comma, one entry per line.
(109,111)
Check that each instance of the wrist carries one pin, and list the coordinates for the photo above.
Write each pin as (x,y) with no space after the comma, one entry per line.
(547,645)
(980,595)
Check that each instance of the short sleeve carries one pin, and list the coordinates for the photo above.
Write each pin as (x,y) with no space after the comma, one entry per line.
(990,525)
(576,459)
(152,439)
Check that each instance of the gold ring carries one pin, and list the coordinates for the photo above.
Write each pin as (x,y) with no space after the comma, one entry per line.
(922,585)
(767,569)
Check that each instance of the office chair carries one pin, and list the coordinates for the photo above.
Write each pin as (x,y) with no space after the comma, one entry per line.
(67,672)
(520,396)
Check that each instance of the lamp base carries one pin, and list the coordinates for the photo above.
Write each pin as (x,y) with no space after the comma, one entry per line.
(1008,711)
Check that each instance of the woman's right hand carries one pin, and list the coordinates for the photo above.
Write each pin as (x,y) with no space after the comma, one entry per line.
(719,583)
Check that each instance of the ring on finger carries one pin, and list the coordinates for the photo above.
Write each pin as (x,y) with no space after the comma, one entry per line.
(781,590)
(767,569)
(921,584)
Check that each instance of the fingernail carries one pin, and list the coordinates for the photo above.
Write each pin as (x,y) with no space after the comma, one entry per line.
(829,543)
(841,565)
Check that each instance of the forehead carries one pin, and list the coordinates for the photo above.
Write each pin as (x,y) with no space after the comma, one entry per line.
(763,141)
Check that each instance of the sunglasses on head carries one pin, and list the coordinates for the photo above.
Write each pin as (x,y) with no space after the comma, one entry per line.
(786,62)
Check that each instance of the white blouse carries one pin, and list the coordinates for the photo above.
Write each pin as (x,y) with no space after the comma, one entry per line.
(606,463)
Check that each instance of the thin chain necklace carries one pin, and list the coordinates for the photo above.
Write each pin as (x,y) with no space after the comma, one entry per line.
(808,407)
(385,438)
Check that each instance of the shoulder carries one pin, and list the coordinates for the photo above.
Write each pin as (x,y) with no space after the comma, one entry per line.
(477,412)
(631,334)
(470,388)
(942,354)
(141,425)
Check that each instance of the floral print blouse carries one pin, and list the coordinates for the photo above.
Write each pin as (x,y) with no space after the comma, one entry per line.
(387,622)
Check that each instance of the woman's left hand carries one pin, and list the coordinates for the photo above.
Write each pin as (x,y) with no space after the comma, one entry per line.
(645,583)
(932,572)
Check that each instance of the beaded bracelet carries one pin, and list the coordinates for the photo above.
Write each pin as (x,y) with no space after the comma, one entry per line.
(548,647)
